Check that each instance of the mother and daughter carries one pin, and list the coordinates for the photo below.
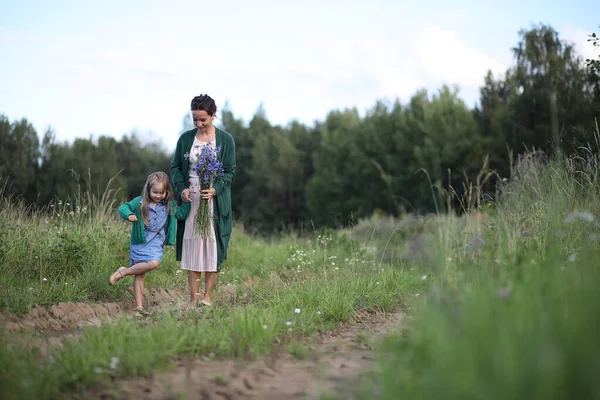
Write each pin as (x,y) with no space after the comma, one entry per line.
(158,219)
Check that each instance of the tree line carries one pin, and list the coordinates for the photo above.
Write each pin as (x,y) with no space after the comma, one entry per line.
(394,159)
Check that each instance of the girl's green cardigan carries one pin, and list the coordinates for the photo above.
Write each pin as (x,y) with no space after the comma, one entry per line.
(137,228)
(222,206)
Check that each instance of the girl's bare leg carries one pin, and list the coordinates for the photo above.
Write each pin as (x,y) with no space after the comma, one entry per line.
(141,268)
(194,285)
(138,290)
(136,269)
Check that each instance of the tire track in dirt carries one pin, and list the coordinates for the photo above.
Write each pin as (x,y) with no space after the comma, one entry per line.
(335,357)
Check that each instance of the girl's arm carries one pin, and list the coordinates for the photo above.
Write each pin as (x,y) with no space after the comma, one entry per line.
(126,209)
(176,172)
(228,160)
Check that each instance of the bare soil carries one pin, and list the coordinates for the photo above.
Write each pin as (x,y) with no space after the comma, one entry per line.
(69,317)
(335,359)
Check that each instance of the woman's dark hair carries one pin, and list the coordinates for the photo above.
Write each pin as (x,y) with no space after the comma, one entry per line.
(205,103)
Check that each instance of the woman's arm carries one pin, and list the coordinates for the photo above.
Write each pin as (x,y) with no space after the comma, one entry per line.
(228,161)
(182,212)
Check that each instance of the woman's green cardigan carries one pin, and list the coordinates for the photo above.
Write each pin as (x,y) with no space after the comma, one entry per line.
(222,185)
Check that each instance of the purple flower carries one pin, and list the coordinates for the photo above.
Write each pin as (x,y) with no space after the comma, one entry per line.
(208,169)
(208,166)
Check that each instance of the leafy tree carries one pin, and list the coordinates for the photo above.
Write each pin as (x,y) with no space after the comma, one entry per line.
(19,148)
(594,64)
(546,101)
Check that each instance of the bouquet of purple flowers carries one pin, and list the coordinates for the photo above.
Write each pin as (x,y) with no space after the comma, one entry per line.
(208,168)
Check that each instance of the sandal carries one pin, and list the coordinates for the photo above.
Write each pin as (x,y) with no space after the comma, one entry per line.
(204,303)
(141,311)
(114,277)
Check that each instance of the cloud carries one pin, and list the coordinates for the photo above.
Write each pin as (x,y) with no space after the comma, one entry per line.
(444,57)
(579,38)
(111,83)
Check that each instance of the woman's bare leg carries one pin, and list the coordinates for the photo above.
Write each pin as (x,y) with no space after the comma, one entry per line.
(194,285)
(210,279)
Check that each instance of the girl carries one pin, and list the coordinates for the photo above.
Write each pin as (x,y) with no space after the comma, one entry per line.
(153,216)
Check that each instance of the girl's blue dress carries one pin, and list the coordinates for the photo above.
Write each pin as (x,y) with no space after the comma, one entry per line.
(155,237)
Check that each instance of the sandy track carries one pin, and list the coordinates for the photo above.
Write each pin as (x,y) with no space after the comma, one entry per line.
(335,359)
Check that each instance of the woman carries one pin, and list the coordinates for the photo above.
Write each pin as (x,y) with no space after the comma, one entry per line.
(198,254)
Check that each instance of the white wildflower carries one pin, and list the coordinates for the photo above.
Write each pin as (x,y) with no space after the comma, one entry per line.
(289,323)
(45,279)
(297,311)
(584,216)
(424,277)
(114,362)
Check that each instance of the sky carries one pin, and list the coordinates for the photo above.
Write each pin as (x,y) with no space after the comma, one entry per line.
(113,67)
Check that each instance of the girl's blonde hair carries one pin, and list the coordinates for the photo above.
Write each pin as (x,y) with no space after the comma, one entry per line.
(153,179)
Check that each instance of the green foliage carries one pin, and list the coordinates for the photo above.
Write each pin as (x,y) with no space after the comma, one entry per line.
(517,319)
(547,101)
(19,152)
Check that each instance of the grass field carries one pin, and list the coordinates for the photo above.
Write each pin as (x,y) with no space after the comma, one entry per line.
(501,302)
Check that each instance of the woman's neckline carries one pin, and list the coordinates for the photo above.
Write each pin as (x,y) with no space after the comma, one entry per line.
(201,141)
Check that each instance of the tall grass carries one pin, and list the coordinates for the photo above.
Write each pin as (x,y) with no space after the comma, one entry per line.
(62,252)
(512,310)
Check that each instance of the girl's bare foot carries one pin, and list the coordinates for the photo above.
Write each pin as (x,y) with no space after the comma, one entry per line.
(116,276)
